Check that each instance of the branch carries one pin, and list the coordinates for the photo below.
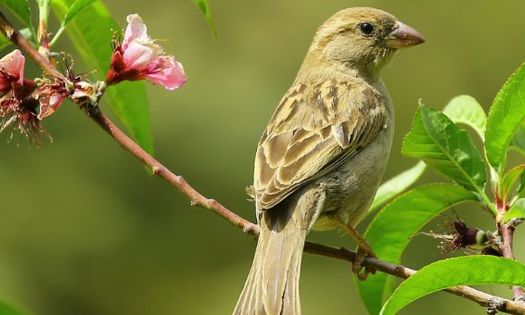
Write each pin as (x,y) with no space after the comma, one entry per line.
(197,199)
(477,296)
(507,233)
(14,36)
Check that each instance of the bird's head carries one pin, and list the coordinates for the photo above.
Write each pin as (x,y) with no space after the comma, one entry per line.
(362,38)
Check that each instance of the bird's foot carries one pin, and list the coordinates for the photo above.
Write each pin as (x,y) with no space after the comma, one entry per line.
(364,250)
(361,271)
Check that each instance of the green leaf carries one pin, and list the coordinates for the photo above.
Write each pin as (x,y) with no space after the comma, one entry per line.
(520,190)
(76,7)
(447,273)
(518,141)
(508,182)
(446,148)
(8,310)
(505,116)
(20,8)
(397,185)
(4,42)
(395,225)
(516,212)
(91,32)
(464,109)
(205,9)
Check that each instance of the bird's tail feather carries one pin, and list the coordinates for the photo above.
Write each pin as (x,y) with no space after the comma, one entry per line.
(272,286)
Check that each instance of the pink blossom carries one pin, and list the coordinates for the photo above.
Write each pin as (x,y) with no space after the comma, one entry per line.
(138,57)
(11,71)
(21,109)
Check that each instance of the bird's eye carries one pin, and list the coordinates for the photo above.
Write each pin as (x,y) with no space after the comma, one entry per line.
(366,28)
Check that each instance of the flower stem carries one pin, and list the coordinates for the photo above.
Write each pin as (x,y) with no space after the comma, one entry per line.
(43,14)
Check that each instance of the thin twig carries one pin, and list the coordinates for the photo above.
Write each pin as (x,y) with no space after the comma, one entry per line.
(507,234)
(14,36)
(482,298)
(197,199)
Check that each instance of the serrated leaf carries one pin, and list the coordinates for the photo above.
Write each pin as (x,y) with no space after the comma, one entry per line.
(128,100)
(394,226)
(435,139)
(465,109)
(4,42)
(397,185)
(508,182)
(20,8)
(516,211)
(443,274)
(505,117)
(205,9)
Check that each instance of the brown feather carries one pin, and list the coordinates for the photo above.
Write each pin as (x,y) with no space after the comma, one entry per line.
(314,126)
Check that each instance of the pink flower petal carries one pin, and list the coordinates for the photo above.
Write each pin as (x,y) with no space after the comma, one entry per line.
(49,104)
(168,72)
(13,64)
(138,56)
(136,30)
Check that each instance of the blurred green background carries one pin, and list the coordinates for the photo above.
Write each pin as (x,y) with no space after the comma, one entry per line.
(84,230)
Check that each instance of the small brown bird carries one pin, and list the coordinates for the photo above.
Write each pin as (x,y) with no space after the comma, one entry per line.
(321,158)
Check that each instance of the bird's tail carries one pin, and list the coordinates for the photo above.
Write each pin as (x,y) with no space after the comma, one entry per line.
(272,287)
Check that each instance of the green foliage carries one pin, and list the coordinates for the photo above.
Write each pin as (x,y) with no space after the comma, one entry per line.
(4,42)
(465,109)
(394,226)
(397,185)
(516,212)
(20,8)
(443,146)
(205,9)
(505,117)
(521,186)
(8,310)
(91,31)
(436,139)
(514,177)
(518,141)
(467,270)
(76,7)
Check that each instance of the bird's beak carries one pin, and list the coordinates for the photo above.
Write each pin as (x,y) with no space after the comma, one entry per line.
(403,36)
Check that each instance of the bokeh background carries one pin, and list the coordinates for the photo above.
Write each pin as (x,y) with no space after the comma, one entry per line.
(85,231)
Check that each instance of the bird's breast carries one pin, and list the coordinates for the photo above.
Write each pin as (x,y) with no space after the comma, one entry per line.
(351,187)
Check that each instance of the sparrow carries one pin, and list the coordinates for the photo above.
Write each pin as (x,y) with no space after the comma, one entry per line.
(322,156)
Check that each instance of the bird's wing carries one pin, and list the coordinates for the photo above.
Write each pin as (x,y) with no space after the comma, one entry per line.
(314,129)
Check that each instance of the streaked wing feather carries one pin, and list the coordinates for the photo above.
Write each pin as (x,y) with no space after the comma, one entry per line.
(314,129)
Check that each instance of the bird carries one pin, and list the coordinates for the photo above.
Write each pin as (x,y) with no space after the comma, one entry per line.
(323,153)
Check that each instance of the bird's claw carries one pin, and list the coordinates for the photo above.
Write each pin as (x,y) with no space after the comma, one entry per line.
(361,271)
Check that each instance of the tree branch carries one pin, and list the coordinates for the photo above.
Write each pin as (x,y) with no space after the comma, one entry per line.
(14,36)
(507,233)
(197,199)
